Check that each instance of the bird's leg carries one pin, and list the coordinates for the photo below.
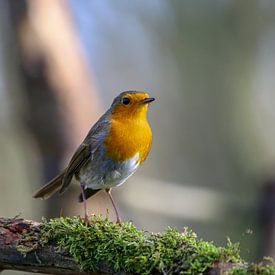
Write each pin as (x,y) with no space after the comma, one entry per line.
(118,220)
(86,219)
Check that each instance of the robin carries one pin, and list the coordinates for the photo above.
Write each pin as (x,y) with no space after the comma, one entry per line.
(111,152)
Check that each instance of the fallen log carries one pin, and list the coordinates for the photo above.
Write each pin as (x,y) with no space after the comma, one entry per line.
(68,246)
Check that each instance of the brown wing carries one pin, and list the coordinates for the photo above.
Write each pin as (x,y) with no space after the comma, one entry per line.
(80,157)
(92,142)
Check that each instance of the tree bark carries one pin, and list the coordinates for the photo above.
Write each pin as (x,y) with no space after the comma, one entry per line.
(21,249)
(48,259)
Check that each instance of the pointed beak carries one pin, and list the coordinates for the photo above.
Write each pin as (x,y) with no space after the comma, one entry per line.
(147,100)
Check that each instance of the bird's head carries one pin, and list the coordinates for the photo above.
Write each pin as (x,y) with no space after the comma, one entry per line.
(131,104)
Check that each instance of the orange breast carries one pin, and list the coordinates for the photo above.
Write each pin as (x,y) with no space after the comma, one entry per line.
(128,137)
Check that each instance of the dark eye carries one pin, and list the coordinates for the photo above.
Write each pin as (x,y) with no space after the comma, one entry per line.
(126,101)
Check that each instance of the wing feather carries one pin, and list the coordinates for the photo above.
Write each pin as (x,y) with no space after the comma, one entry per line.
(94,139)
(80,157)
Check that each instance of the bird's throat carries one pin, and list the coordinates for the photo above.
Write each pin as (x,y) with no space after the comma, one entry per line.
(127,138)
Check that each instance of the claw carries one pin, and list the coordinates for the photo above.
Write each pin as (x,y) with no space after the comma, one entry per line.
(87,221)
(118,221)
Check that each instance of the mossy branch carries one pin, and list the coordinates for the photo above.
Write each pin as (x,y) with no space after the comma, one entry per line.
(68,246)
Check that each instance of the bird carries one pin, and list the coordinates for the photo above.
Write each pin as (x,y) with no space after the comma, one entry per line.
(117,144)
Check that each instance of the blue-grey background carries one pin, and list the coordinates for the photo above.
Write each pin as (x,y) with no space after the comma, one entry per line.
(210,65)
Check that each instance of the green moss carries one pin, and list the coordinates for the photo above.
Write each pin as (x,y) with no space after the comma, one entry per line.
(266,267)
(125,248)
(253,269)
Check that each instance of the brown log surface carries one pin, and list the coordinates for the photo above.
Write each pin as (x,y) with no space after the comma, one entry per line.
(48,259)
(21,249)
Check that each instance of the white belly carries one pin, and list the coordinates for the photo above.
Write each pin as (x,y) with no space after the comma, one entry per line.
(108,174)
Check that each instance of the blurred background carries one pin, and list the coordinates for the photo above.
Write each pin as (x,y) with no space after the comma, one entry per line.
(210,65)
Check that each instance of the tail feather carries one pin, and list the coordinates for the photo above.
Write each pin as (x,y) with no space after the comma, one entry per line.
(50,188)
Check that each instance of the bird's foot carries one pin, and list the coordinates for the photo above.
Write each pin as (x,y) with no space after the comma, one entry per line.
(118,221)
(86,220)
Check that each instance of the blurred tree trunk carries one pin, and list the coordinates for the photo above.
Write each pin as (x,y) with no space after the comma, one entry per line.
(61,102)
